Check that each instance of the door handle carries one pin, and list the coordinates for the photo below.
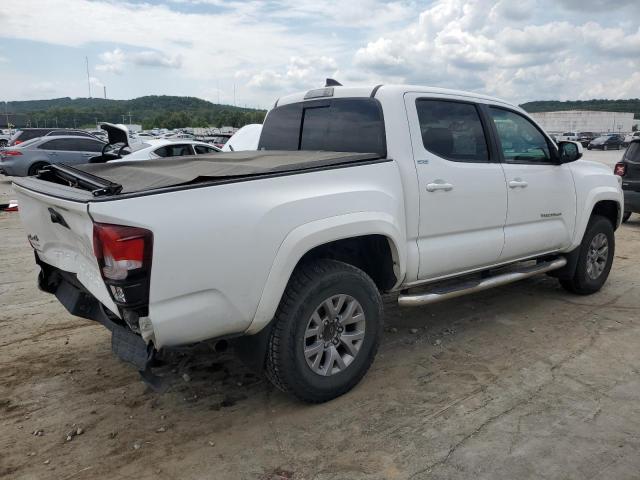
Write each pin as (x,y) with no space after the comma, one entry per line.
(439,185)
(518,182)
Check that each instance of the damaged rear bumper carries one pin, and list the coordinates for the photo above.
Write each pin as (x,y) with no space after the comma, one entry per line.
(127,345)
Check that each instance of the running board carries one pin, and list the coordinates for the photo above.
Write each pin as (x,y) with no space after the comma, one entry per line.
(478,285)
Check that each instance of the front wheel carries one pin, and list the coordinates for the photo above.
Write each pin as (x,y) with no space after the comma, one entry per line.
(626,217)
(326,331)
(595,258)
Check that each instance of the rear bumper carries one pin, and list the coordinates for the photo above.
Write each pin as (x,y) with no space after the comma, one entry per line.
(127,345)
(631,201)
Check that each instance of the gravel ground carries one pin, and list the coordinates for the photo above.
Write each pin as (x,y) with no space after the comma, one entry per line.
(525,381)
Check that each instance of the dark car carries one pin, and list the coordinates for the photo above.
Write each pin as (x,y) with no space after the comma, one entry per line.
(25,134)
(629,170)
(606,142)
(585,138)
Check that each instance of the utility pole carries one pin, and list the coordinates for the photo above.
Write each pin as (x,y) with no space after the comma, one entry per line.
(129,118)
(104,87)
(234,94)
(6,113)
(56,122)
(123,118)
(86,59)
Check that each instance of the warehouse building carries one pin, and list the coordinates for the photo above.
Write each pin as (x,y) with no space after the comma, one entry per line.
(584,121)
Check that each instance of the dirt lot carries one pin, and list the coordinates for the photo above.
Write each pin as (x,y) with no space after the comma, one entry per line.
(525,381)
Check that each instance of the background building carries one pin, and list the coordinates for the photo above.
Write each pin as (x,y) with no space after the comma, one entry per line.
(584,121)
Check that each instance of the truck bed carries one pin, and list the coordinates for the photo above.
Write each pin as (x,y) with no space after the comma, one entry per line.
(144,175)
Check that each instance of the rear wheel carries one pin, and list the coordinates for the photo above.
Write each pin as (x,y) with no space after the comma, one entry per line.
(595,258)
(626,217)
(33,169)
(326,331)
(3,143)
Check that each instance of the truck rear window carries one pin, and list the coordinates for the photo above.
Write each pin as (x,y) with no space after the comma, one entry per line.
(336,125)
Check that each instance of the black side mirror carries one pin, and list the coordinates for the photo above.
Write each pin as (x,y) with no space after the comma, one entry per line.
(569,151)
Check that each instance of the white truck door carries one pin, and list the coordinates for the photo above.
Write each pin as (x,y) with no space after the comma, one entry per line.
(542,198)
(463,198)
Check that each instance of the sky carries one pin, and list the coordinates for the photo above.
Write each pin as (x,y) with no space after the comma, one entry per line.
(518,50)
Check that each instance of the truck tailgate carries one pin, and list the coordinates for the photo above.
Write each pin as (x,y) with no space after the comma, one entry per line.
(61,232)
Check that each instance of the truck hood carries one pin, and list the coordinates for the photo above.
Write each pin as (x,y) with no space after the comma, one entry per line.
(116,133)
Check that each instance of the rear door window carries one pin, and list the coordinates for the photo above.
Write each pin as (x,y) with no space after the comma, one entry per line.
(177,150)
(338,125)
(633,153)
(452,130)
(203,150)
(57,144)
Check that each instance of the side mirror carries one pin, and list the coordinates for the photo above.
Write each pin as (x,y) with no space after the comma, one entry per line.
(569,151)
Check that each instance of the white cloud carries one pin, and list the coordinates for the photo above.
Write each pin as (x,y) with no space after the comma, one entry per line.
(116,61)
(520,50)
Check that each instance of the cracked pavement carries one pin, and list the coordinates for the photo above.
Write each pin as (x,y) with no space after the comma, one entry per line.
(525,381)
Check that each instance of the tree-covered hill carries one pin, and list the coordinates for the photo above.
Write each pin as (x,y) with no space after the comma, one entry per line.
(631,105)
(151,111)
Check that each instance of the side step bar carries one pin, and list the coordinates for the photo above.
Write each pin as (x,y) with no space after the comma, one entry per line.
(478,285)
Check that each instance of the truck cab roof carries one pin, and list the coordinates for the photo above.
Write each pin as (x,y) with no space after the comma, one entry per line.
(389,91)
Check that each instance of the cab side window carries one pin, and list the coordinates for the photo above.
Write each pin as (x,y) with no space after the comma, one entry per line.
(520,140)
(452,130)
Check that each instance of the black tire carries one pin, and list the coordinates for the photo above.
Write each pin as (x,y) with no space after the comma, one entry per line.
(589,147)
(626,217)
(582,283)
(3,143)
(33,169)
(310,285)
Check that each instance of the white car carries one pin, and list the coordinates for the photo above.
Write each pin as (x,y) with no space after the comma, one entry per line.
(120,146)
(165,147)
(629,138)
(353,192)
(246,138)
(568,137)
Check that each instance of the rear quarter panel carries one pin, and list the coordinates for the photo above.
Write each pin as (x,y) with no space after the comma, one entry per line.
(214,247)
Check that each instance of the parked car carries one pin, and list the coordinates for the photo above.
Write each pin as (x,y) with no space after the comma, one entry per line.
(606,142)
(629,138)
(353,192)
(568,137)
(629,169)
(24,134)
(585,137)
(246,138)
(219,139)
(120,148)
(30,156)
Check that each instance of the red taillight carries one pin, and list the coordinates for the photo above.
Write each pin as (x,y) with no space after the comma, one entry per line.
(620,169)
(11,153)
(121,249)
(18,142)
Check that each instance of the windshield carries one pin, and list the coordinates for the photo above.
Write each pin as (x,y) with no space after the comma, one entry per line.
(337,124)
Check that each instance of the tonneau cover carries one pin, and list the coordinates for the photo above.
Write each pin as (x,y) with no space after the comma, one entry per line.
(141,175)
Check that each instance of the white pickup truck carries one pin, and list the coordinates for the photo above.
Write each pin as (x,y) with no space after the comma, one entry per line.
(354,192)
